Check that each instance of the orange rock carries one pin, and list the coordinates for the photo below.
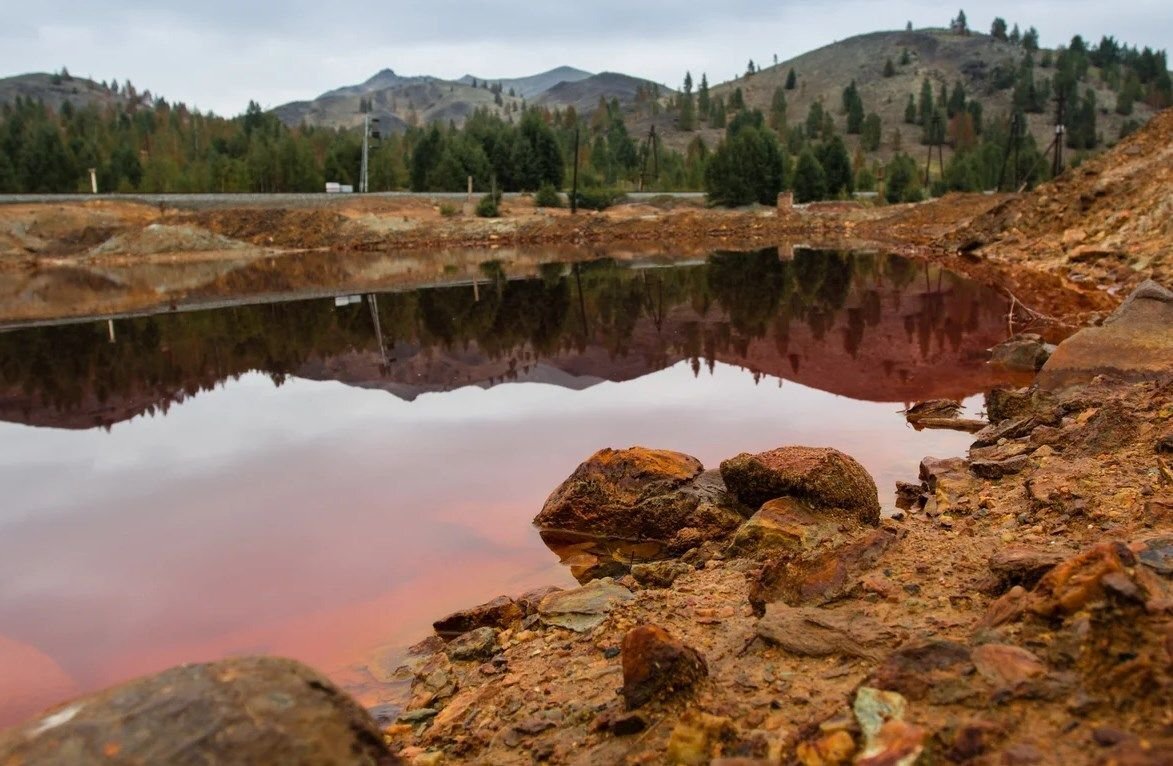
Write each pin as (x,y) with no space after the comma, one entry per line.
(1006,666)
(1078,581)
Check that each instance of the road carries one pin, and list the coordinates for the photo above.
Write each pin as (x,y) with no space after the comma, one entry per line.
(307,200)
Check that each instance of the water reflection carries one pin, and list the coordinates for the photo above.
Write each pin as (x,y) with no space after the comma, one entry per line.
(868,326)
(291,506)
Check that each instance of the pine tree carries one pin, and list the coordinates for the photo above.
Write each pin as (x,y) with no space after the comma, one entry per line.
(910,110)
(905,57)
(871,134)
(889,68)
(687,118)
(925,107)
(836,164)
(810,182)
(998,29)
(791,80)
(703,102)
(1030,40)
(778,110)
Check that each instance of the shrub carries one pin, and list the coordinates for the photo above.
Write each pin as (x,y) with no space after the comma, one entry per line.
(489,206)
(448,210)
(547,196)
(598,198)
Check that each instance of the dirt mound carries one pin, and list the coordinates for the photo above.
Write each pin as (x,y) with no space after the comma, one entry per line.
(1108,221)
(160,238)
(277,227)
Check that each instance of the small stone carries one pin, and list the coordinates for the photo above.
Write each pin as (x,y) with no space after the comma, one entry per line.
(418,716)
(874,707)
(1073,584)
(833,749)
(659,574)
(501,612)
(1006,666)
(656,665)
(996,469)
(1023,566)
(698,737)
(585,608)
(898,743)
(479,644)
(1026,352)
(816,632)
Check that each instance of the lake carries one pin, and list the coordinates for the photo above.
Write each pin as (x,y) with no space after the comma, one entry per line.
(322,478)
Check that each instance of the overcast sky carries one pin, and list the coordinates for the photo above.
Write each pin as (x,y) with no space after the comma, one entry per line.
(218,54)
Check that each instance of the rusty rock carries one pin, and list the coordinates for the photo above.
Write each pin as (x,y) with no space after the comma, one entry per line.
(656,665)
(1078,581)
(639,494)
(782,523)
(1022,566)
(816,579)
(501,612)
(815,632)
(245,710)
(1006,666)
(915,669)
(826,478)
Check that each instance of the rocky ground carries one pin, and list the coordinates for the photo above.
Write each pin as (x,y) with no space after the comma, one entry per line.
(1019,612)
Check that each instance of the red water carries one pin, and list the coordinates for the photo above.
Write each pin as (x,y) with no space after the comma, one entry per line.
(332,523)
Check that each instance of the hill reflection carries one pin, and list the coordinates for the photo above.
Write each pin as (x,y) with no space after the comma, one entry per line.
(867,326)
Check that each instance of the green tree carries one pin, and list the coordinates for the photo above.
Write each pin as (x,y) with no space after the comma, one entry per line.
(836,165)
(998,29)
(778,111)
(791,80)
(810,182)
(910,110)
(925,107)
(889,68)
(703,101)
(902,179)
(687,118)
(748,166)
(872,132)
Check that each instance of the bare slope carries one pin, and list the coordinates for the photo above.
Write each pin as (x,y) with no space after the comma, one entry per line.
(56,90)
(528,87)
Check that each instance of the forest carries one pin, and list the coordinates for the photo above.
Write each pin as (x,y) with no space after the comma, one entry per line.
(146,144)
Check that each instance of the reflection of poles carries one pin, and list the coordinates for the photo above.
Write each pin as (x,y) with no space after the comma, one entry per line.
(574,183)
(374,304)
(110,329)
(655,306)
(581,300)
(476,289)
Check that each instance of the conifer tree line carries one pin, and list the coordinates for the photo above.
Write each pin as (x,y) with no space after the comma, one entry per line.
(145,144)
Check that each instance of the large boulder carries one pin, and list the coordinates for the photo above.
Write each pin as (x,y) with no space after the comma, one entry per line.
(245,710)
(784,523)
(639,494)
(826,478)
(1135,343)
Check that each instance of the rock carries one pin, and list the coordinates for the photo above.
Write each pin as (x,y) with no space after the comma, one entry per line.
(1157,554)
(826,478)
(1026,352)
(242,710)
(819,578)
(1134,343)
(996,469)
(419,715)
(817,632)
(585,608)
(1022,566)
(933,408)
(1003,403)
(621,724)
(1005,666)
(873,708)
(434,681)
(500,613)
(638,494)
(898,744)
(659,574)
(657,665)
(972,739)
(1079,580)
(908,495)
(933,470)
(784,523)
(698,737)
(1008,608)
(1001,452)
(478,645)
(917,669)
(529,600)
(1007,429)
(834,749)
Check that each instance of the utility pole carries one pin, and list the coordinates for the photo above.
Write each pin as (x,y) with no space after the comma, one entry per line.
(574,182)
(367,134)
(94,180)
(1060,129)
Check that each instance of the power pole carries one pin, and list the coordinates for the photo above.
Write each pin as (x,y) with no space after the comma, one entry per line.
(574,181)
(364,170)
(367,134)
(1060,129)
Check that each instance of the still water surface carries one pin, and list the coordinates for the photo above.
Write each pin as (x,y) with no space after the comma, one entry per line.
(322,481)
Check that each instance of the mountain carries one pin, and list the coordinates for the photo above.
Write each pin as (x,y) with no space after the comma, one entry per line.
(528,87)
(400,101)
(55,90)
(584,94)
(984,65)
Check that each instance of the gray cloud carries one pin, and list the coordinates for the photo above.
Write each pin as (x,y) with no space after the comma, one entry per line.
(218,54)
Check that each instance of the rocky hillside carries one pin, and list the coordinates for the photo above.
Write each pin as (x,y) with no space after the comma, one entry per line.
(1109,221)
(978,61)
(401,101)
(55,90)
